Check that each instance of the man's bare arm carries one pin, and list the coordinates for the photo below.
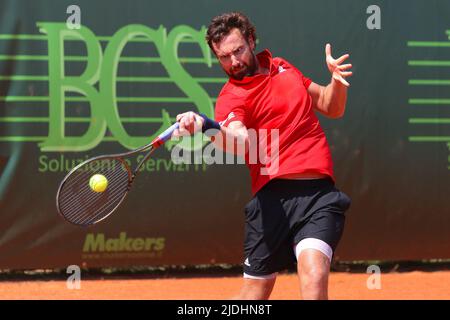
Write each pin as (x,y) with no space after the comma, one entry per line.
(233,139)
(331,100)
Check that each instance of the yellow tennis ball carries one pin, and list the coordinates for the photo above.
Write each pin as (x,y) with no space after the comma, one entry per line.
(98,183)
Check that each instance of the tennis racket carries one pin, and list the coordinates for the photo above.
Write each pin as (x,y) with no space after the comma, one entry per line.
(79,204)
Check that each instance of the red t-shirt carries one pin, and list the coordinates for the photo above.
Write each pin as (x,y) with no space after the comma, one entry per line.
(280,101)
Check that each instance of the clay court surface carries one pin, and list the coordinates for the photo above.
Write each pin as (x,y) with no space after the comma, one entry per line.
(403,285)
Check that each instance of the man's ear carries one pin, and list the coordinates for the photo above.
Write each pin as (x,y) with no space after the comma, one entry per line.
(213,49)
(251,43)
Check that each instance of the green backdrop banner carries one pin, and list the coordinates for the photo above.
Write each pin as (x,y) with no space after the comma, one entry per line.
(68,93)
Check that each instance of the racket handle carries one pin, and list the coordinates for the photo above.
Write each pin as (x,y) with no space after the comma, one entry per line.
(163,137)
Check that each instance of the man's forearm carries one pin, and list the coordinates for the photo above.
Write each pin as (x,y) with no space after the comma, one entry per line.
(231,140)
(335,98)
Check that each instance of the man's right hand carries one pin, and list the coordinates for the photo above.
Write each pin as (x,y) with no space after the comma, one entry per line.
(234,137)
(190,123)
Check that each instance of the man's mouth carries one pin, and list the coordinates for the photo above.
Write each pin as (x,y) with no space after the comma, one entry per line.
(236,70)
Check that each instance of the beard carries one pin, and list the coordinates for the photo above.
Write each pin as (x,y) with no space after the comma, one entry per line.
(243,70)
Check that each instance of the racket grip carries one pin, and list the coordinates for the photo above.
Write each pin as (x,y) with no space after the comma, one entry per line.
(163,137)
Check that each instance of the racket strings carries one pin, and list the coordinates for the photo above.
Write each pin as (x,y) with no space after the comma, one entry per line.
(87,207)
(90,214)
(81,205)
(93,216)
(68,202)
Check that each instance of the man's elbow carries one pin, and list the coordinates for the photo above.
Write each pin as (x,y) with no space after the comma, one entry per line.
(336,111)
(336,115)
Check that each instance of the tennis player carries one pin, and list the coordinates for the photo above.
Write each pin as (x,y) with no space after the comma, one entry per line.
(296,214)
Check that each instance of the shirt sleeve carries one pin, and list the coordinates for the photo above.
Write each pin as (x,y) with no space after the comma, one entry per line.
(306,81)
(230,108)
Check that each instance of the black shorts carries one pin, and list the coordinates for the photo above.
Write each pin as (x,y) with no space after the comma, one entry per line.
(283,213)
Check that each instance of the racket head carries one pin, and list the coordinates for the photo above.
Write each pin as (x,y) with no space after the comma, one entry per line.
(80,205)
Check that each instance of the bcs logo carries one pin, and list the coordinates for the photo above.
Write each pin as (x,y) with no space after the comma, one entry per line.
(97,83)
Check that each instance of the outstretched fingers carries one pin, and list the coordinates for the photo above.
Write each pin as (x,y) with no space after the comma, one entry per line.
(342,58)
(339,78)
(328,50)
(345,66)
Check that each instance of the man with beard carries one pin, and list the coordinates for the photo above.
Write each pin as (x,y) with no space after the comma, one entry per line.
(296,214)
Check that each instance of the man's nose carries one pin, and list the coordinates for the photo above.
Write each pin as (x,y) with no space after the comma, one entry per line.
(234,61)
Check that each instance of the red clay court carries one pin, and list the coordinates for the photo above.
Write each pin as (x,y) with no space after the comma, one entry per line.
(343,286)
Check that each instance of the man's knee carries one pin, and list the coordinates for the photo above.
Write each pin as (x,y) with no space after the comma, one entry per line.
(314,257)
(257,288)
(314,275)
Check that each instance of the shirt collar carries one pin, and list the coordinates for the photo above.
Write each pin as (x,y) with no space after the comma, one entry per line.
(264,59)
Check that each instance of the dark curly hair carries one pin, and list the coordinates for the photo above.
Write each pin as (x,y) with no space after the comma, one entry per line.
(221,25)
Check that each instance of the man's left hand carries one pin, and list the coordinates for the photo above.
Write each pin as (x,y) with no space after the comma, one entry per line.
(337,69)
